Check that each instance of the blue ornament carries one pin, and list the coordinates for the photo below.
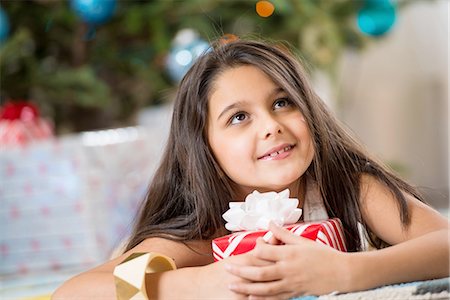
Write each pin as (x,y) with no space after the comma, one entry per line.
(188,46)
(94,12)
(376,17)
(4,25)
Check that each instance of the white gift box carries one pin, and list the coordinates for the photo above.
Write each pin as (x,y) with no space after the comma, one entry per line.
(70,201)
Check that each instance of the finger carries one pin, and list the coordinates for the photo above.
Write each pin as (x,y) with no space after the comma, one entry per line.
(261,240)
(268,252)
(259,262)
(260,274)
(262,261)
(283,235)
(286,295)
(248,259)
(262,289)
(237,296)
(270,239)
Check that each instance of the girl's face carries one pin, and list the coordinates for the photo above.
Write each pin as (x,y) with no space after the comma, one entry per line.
(258,136)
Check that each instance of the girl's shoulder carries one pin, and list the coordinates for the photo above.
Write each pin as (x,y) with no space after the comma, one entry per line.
(185,253)
(382,213)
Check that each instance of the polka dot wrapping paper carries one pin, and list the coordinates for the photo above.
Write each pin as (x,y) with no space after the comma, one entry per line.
(68,202)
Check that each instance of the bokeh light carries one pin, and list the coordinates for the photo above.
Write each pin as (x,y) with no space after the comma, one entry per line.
(187,46)
(4,25)
(94,11)
(264,8)
(376,17)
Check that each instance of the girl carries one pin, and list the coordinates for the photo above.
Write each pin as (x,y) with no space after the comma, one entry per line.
(245,118)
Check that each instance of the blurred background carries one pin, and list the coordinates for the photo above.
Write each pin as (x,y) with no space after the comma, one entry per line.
(86,88)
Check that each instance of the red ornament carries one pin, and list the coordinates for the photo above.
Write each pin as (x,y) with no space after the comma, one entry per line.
(24,111)
(20,124)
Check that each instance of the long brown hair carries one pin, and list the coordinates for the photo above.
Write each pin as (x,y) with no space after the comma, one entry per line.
(190,192)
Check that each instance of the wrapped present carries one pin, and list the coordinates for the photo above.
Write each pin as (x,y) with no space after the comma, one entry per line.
(328,232)
(66,203)
(250,219)
(259,209)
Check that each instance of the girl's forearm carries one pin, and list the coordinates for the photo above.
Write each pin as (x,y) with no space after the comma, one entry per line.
(177,284)
(89,285)
(423,258)
(100,285)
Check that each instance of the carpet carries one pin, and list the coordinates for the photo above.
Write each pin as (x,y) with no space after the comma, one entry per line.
(430,289)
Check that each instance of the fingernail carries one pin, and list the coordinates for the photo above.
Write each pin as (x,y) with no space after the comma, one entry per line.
(267,236)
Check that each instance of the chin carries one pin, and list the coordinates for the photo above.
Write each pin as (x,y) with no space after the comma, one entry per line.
(288,183)
(276,187)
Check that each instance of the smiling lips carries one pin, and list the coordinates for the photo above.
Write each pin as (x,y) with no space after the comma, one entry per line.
(278,152)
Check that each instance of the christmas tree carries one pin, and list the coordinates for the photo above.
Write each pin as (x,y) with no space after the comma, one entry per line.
(90,74)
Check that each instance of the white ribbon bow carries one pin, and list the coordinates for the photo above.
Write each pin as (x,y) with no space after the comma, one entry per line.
(261,208)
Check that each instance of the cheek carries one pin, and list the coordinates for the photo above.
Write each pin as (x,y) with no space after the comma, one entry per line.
(218,146)
(304,136)
(231,152)
(234,147)
(309,146)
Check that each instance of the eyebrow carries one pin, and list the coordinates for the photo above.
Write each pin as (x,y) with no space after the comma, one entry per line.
(232,106)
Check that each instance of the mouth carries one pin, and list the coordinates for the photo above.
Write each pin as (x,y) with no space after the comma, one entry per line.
(275,152)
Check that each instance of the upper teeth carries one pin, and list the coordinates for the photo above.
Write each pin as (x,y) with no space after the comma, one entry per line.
(280,151)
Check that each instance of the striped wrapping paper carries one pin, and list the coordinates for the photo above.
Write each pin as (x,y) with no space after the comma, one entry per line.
(328,232)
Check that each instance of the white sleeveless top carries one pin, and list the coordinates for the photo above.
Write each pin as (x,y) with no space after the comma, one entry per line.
(314,210)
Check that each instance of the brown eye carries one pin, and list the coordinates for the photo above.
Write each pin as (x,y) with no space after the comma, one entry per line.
(280,103)
(238,118)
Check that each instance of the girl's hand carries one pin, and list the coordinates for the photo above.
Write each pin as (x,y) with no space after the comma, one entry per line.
(214,279)
(300,267)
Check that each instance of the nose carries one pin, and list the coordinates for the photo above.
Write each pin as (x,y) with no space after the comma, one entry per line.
(270,126)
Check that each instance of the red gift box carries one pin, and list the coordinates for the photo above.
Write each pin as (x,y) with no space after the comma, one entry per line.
(328,232)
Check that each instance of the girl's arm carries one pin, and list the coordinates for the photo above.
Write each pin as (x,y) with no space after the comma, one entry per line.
(420,251)
(99,282)
(196,277)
